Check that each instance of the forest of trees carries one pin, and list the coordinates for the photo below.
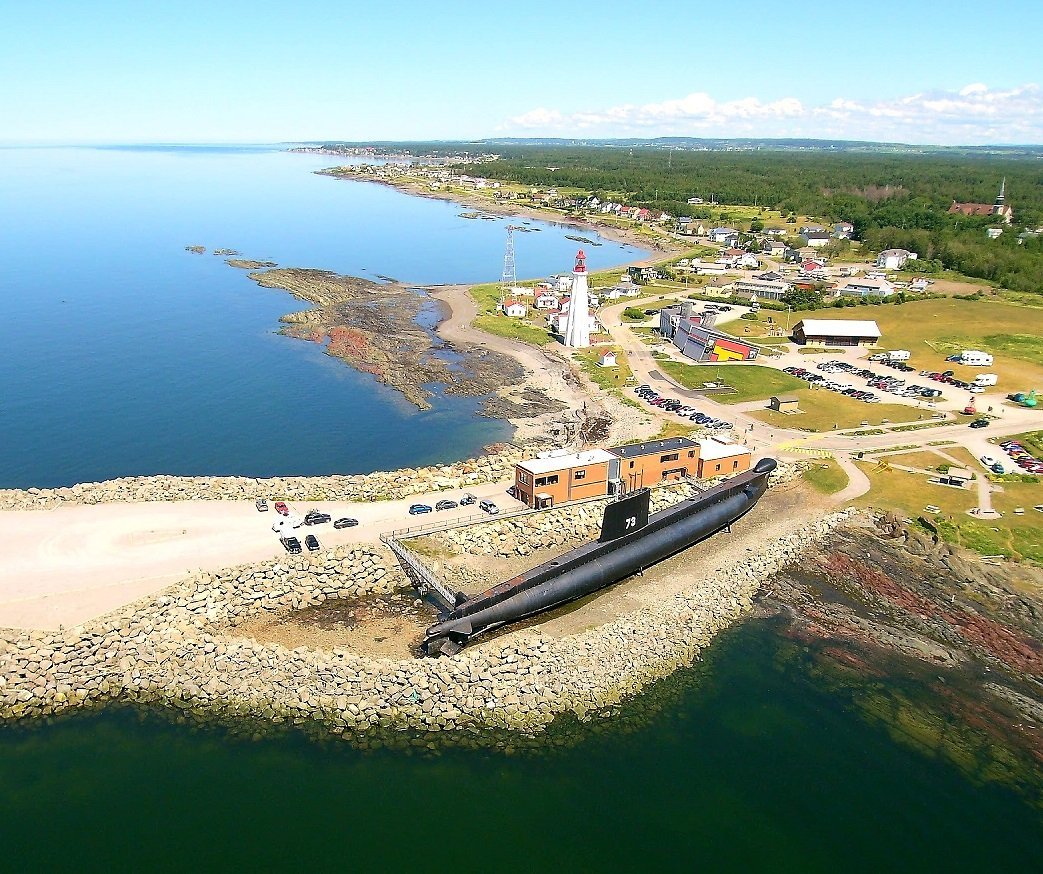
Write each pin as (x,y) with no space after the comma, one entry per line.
(892,200)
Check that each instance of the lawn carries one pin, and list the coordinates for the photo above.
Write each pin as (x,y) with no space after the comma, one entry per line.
(1019,537)
(750,381)
(934,329)
(824,410)
(926,460)
(492,321)
(826,477)
(604,377)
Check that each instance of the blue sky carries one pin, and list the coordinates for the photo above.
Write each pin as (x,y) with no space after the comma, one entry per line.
(189,71)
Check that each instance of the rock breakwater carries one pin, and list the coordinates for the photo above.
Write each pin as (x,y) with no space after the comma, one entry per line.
(496,464)
(181,650)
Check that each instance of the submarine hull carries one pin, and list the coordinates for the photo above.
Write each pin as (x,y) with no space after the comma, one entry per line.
(596,565)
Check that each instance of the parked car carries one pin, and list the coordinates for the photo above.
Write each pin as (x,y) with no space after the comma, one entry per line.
(467,500)
(281,508)
(346,522)
(997,468)
(446,504)
(262,505)
(314,517)
(292,545)
(417,509)
(489,507)
(312,542)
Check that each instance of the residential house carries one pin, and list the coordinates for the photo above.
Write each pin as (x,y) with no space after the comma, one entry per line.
(695,200)
(515,309)
(774,232)
(843,230)
(920,284)
(894,259)
(760,289)
(993,233)
(815,239)
(773,248)
(725,236)
(547,301)
(749,261)
(561,282)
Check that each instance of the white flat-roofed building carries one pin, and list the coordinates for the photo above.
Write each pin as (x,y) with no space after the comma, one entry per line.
(867,288)
(557,477)
(719,457)
(836,332)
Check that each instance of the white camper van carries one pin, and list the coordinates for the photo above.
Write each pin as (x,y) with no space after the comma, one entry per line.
(975,358)
(985,379)
(899,355)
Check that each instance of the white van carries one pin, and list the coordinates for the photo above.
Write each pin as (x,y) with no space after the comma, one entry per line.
(985,379)
(975,358)
(899,355)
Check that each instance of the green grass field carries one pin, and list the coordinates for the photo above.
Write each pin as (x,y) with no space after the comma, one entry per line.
(604,377)
(492,321)
(750,381)
(1014,536)
(824,410)
(826,477)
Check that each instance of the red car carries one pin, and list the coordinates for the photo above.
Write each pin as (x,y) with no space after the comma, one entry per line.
(281,508)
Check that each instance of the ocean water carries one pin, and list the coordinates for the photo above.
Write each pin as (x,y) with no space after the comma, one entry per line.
(746,762)
(123,354)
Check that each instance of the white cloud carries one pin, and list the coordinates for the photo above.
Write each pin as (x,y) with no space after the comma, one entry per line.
(972,114)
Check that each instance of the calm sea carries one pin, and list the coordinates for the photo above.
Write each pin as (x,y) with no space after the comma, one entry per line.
(123,354)
(745,763)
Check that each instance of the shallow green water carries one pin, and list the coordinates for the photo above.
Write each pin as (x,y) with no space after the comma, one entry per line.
(744,763)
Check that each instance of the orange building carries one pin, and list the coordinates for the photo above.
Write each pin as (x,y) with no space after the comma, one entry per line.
(720,458)
(645,464)
(555,478)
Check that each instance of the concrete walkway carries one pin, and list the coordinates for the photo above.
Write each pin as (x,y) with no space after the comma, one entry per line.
(857,481)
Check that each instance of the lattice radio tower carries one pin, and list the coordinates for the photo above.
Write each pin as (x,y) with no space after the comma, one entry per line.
(510,273)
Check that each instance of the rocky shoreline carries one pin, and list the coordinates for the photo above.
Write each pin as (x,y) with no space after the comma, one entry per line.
(182,650)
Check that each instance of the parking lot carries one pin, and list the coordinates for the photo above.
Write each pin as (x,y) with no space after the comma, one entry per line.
(65,566)
(870,383)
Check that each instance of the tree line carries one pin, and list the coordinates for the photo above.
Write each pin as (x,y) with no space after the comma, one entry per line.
(893,201)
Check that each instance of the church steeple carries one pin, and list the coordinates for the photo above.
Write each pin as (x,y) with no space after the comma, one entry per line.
(1001,197)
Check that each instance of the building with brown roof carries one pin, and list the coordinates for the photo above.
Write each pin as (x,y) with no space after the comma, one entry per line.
(650,462)
(998,208)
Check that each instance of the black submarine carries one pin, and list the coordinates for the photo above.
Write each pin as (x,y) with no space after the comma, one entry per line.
(630,541)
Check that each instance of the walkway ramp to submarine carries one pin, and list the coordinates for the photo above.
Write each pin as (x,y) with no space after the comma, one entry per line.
(422,576)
